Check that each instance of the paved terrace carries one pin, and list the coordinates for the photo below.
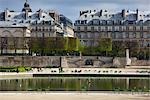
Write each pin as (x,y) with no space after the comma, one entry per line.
(78,71)
(73,96)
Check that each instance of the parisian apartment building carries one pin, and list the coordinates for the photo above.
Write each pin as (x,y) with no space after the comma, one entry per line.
(26,23)
(125,25)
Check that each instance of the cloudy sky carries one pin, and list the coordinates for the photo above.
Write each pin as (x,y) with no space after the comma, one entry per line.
(71,8)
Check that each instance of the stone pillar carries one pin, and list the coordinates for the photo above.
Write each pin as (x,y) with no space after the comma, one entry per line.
(128,60)
(80,55)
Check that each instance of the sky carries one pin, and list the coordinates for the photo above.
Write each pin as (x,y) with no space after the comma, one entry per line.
(71,8)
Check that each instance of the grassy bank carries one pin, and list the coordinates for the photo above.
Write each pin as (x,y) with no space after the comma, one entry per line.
(15,69)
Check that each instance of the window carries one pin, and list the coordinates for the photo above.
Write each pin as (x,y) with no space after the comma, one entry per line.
(85,28)
(120,28)
(92,28)
(131,28)
(105,15)
(102,28)
(141,28)
(104,22)
(43,35)
(148,36)
(134,28)
(9,15)
(124,28)
(43,22)
(106,28)
(43,29)
(117,35)
(116,28)
(141,35)
(137,28)
(95,22)
(99,28)
(134,35)
(110,22)
(29,21)
(140,22)
(78,28)
(127,27)
(109,28)
(145,28)
(127,35)
(49,22)
(113,35)
(82,22)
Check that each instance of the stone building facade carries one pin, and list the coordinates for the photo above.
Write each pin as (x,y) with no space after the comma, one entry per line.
(120,26)
(41,23)
(14,39)
(18,28)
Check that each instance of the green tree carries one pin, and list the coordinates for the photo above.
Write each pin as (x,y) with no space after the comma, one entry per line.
(104,46)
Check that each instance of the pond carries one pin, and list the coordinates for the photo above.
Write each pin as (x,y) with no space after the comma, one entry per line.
(76,84)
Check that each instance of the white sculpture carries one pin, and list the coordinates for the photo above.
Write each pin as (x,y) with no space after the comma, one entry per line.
(128,60)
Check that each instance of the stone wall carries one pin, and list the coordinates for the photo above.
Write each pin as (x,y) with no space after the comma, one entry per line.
(69,61)
(81,61)
(34,61)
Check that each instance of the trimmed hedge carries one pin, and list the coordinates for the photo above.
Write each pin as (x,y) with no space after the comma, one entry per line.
(15,69)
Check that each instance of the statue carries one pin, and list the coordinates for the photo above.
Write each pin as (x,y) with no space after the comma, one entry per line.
(128,60)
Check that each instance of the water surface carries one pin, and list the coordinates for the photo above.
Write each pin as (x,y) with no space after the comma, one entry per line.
(76,84)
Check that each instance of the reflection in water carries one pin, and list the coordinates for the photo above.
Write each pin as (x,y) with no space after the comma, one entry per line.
(76,84)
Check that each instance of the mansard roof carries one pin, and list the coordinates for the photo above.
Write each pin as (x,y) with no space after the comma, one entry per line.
(124,15)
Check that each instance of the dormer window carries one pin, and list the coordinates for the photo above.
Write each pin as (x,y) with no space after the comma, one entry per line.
(21,21)
(36,22)
(82,22)
(43,22)
(43,16)
(92,16)
(85,16)
(49,22)
(14,24)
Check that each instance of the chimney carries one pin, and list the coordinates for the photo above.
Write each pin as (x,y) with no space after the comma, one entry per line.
(26,14)
(137,14)
(6,13)
(90,11)
(40,13)
(123,13)
(80,13)
(101,11)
